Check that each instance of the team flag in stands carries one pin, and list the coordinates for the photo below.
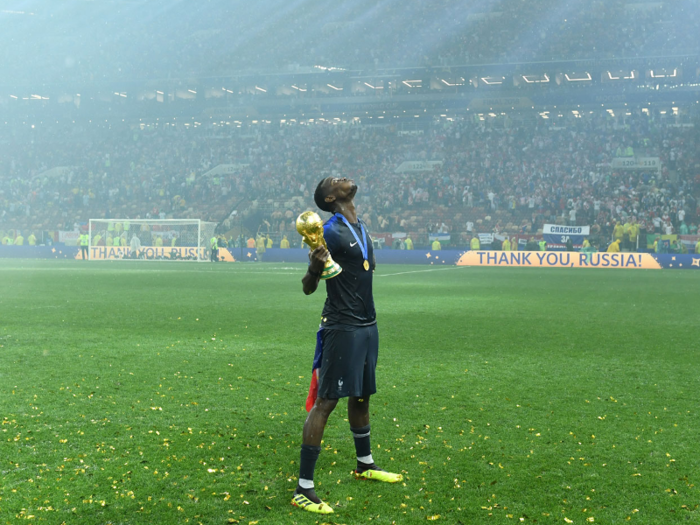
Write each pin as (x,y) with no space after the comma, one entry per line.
(318,356)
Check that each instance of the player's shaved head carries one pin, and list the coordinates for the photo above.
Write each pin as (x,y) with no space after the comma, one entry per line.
(321,193)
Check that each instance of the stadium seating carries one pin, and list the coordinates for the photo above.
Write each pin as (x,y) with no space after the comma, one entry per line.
(503,174)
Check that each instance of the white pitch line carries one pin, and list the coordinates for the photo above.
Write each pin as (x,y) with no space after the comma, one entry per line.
(275,271)
(421,271)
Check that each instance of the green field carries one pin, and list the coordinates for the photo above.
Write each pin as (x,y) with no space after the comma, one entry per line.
(164,393)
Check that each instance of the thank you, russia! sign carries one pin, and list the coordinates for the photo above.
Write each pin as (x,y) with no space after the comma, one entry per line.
(559,260)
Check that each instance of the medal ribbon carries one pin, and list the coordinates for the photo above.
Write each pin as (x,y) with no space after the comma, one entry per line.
(363,247)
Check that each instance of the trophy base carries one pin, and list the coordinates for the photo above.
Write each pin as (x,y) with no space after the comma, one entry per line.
(331,270)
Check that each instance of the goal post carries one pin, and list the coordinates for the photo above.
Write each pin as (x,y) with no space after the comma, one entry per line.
(149,239)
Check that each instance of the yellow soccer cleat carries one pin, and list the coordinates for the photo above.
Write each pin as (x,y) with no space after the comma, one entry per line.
(379,475)
(304,503)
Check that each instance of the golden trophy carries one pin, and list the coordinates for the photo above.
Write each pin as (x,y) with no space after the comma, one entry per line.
(310,227)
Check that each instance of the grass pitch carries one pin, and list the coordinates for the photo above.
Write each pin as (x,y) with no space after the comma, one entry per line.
(163,393)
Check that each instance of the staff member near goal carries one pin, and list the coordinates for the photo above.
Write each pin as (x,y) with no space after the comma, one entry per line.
(348,338)
(214,252)
(84,243)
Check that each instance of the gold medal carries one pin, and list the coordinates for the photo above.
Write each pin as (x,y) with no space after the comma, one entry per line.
(365,265)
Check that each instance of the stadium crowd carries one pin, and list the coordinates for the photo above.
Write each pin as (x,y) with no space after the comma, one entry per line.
(218,37)
(507,175)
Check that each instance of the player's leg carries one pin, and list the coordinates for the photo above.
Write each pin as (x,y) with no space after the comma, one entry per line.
(305,493)
(358,417)
(358,407)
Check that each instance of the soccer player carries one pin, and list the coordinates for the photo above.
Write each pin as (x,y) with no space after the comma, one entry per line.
(348,340)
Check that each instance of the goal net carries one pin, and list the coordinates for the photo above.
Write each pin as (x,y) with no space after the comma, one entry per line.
(150,239)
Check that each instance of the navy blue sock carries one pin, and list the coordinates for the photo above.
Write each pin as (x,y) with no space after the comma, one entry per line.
(307,464)
(362,446)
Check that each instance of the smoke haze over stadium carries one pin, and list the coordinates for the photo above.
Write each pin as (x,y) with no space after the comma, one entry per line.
(526,174)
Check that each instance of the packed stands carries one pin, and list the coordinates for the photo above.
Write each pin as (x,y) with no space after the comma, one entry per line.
(506,173)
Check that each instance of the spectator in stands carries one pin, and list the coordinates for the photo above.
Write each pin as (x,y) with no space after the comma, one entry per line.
(618,231)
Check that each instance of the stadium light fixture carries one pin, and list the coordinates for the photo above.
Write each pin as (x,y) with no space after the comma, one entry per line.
(536,79)
(574,78)
(632,76)
(664,74)
(331,68)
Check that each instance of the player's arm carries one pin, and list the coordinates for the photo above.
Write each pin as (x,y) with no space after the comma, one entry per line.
(317,260)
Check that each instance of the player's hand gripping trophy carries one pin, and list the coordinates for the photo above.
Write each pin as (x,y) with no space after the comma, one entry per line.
(310,227)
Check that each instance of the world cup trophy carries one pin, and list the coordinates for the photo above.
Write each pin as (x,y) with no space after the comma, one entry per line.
(310,227)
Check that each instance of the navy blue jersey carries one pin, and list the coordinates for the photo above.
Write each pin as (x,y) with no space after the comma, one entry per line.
(349,301)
